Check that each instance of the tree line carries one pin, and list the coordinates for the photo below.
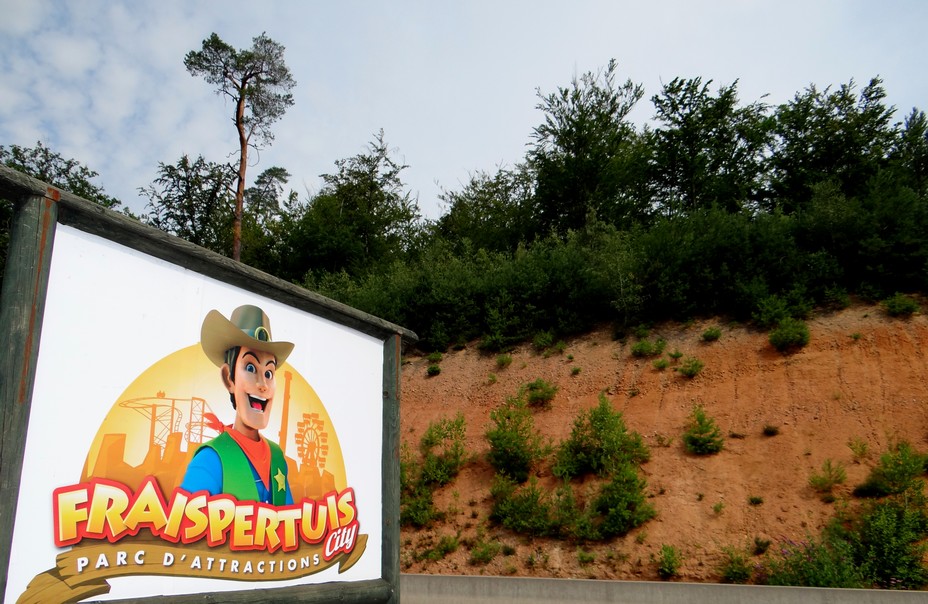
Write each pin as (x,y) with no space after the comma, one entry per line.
(714,207)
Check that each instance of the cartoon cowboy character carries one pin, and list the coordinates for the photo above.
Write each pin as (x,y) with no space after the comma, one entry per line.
(240,462)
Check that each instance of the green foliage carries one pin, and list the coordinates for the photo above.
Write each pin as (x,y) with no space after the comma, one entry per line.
(191,199)
(448,544)
(690,367)
(514,444)
(50,167)
(789,334)
(525,510)
(702,436)
(710,149)
(433,370)
(543,340)
(832,474)
(814,563)
(258,83)
(900,305)
(581,150)
(711,334)
(661,364)
(899,470)
(539,393)
(599,443)
(434,357)
(889,545)
(735,567)
(362,221)
(668,562)
(859,448)
(416,505)
(761,546)
(483,552)
(442,456)
(584,557)
(648,348)
(503,361)
(755,500)
(622,502)
(442,449)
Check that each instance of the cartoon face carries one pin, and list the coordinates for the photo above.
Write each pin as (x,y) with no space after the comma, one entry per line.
(253,389)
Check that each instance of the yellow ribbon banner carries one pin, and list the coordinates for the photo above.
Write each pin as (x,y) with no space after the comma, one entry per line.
(82,572)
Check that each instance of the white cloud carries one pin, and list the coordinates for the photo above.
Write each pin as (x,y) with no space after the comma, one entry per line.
(452,84)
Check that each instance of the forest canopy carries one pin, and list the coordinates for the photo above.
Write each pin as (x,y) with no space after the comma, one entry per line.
(715,207)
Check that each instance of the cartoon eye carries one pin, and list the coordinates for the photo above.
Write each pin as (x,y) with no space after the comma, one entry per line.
(268,374)
(250,368)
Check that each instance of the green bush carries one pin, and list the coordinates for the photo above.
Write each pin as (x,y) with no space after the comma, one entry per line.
(648,348)
(442,449)
(539,393)
(416,505)
(830,476)
(622,503)
(483,552)
(448,544)
(735,568)
(823,563)
(702,436)
(900,305)
(889,545)
(661,364)
(789,334)
(525,509)
(690,367)
(433,370)
(770,311)
(599,443)
(503,361)
(899,471)
(543,340)
(668,562)
(435,357)
(712,334)
(514,444)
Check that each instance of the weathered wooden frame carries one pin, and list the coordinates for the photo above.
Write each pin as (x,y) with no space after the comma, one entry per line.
(38,209)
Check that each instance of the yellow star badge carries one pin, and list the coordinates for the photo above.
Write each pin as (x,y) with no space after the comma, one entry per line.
(281,480)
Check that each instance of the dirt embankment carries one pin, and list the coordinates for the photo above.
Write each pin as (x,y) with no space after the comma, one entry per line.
(861,377)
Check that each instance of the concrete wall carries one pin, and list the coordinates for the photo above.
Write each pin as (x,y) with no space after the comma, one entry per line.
(445,589)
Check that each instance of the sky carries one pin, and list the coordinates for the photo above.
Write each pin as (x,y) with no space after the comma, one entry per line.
(454,84)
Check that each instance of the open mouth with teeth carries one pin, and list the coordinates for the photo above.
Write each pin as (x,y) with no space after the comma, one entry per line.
(257,403)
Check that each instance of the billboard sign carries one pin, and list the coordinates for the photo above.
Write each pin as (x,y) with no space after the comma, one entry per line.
(189,433)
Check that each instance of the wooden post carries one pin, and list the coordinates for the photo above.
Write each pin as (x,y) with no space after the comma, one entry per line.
(392,351)
(22,306)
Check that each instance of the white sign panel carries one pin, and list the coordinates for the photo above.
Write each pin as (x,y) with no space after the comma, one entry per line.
(139,475)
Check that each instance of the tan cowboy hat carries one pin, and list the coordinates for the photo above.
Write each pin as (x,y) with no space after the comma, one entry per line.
(249,326)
